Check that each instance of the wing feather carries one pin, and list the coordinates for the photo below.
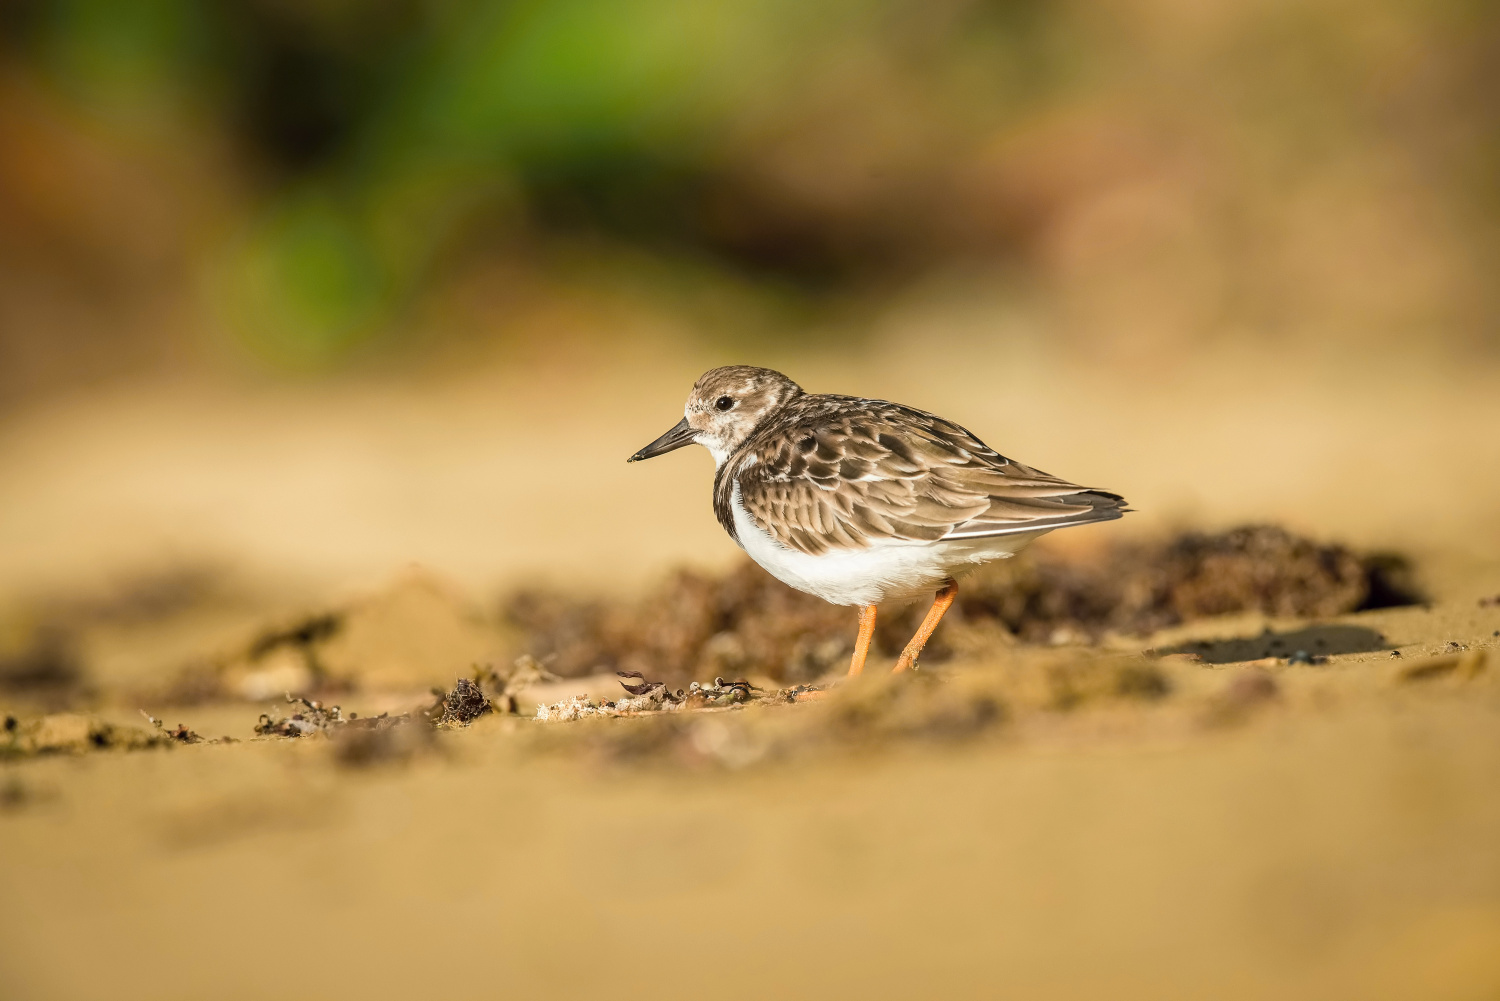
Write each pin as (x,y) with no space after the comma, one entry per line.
(840,473)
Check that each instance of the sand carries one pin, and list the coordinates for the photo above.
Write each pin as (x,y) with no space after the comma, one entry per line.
(1241,827)
(1332,837)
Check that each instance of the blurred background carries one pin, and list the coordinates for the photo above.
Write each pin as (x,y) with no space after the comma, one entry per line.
(326,327)
(309,291)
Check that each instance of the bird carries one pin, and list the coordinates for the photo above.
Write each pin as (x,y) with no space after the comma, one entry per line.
(860,501)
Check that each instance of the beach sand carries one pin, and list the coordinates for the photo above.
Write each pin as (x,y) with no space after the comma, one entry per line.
(1226,830)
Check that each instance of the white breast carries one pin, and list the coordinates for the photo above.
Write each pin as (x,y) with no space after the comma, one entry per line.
(887,569)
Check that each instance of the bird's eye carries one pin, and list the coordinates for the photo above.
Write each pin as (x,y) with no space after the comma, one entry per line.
(723,403)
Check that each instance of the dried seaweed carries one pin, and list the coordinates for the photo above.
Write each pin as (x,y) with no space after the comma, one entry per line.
(464,704)
(694,626)
(1138,588)
(697,625)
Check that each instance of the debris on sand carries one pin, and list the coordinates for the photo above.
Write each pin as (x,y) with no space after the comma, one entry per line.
(181,734)
(490,690)
(458,707)
(697,625)
(73,733)
(464,704)
(643,696)
(575,707)
(314,718)
(358,741)
(871,713)
(646,695)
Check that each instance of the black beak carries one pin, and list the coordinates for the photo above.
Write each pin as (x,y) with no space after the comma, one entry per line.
(682,433)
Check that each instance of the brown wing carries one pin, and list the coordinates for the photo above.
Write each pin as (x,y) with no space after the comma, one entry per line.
(839,472)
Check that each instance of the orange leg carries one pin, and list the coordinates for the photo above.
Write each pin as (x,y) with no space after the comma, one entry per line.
(862,643)
(908,658)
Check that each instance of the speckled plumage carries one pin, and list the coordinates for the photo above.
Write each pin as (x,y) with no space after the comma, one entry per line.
(840,472)
(859,500)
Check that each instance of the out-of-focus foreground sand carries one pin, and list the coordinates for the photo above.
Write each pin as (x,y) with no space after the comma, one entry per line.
(1337,845)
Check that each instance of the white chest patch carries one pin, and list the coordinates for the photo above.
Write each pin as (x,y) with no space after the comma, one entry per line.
(889,569)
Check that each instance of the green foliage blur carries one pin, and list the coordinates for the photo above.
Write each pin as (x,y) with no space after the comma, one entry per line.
(836,145)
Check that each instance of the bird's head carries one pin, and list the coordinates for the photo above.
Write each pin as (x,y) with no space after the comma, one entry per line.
(725,405)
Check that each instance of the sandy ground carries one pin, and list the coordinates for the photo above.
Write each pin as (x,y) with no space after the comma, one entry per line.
(1338,841)
(1332,836)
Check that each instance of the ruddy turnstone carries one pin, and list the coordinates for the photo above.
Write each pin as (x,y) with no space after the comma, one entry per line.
(859,501)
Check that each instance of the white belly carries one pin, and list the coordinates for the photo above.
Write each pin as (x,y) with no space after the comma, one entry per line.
(885,570)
